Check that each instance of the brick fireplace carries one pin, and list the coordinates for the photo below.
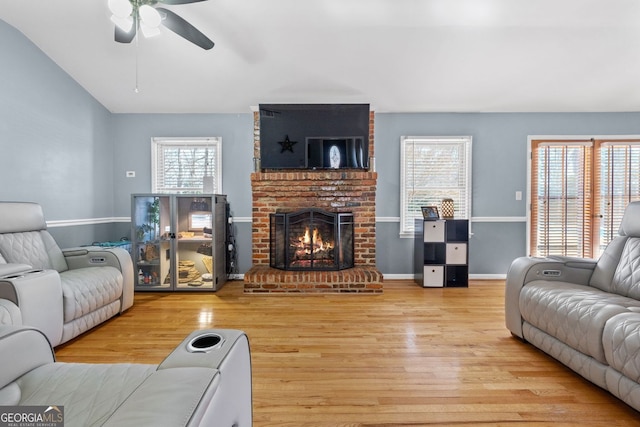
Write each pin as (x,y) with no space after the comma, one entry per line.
(331,190)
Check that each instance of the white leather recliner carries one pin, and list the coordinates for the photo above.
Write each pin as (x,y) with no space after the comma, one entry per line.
(61,292)
(205,381)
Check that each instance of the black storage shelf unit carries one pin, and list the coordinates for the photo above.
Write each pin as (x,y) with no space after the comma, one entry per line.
(441,253)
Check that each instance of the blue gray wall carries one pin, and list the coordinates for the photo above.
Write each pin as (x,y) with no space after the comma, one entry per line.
(55,139)
(132,152)
(499,169)
(61,148)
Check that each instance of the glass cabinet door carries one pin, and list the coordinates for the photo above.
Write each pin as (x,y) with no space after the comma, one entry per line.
(194,240)
(152,232)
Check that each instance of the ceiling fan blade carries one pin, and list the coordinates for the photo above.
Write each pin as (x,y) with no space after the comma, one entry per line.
(179,1)
(122,36)
(182,28)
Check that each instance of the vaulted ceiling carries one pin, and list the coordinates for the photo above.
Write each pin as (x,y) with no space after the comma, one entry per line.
(397,55)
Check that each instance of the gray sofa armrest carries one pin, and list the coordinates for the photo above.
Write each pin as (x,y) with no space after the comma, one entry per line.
(96,256)
(8,269)
(526,269)
(22,349)
(230,403)
(38,295)
(169,398)
(9,313)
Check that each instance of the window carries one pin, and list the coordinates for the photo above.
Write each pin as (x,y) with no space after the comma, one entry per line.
(432,169)
(619,163)
(186,165)
(579,191)
(560,212)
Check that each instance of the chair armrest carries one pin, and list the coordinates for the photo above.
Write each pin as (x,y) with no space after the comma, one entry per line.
(169,397)
(96,256)
(9,313)
(231,404)
(8,269)
(526,269)
(38,295)
(211,383)
(22,350)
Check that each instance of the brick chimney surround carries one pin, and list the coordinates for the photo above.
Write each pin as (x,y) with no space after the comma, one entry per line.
(345,190)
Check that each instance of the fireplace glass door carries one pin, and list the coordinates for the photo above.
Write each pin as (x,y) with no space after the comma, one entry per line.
(311,239)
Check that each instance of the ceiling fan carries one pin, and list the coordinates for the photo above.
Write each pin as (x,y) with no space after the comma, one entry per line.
(131,16)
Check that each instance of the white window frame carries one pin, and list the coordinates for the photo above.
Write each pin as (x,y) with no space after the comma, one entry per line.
(213,143)
(406,231)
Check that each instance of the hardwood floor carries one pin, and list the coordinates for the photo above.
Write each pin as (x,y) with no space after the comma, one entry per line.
(408,357)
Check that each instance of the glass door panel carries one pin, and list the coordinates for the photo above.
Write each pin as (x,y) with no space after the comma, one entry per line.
(194,239)
(151,223)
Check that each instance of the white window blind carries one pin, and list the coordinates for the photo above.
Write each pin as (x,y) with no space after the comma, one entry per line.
(560,210)
(432,169)
(580,190)
(619,184)
(189,165)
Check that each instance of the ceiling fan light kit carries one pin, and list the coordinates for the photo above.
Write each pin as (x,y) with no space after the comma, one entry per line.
(149,16)
(129,16)
(120,8)
(123,23)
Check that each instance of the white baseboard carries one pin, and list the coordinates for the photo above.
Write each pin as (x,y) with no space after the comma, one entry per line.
(398,276)
(471,276)
(487,276)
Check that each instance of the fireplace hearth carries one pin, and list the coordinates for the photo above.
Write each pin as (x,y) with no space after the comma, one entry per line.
(311,240)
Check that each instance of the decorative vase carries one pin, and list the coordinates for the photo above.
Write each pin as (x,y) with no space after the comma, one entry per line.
(447,208)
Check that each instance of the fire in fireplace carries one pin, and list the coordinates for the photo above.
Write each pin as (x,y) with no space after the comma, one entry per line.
(311,239)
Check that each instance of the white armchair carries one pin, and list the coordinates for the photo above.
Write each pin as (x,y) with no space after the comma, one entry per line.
(61,292)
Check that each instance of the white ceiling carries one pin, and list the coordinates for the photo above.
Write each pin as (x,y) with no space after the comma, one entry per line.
(397,55)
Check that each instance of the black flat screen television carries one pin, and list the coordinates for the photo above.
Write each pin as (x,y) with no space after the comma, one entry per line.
(301,136)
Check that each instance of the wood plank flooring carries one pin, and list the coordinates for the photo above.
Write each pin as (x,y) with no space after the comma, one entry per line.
(408,357)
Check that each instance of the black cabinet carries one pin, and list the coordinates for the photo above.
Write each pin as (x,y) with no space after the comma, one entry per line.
(441,254)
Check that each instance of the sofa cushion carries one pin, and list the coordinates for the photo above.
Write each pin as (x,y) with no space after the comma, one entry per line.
(35,248)
(16,217)
(626,280)
(90,393)
(607,264)
(86,289)
(630,226)
(574,314)
(622,344)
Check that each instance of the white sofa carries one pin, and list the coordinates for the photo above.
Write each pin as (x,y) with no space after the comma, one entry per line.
(205,381)
(61,292)
(585,313)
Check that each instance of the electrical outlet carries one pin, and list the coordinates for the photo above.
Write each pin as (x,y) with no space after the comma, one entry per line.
(131,174)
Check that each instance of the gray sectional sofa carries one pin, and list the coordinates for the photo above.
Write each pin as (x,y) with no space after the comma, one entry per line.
(63,293)
(585,313)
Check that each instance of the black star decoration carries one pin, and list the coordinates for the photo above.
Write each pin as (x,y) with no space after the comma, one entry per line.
(287,145)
